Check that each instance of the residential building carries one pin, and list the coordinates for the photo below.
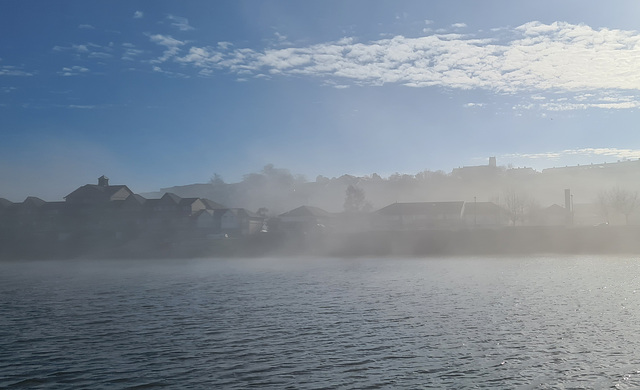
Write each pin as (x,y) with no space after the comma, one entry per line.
(420,215)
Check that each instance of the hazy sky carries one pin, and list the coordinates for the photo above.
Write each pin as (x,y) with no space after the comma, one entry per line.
(161,93)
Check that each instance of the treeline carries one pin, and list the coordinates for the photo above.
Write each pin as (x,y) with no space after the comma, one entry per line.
(276,190)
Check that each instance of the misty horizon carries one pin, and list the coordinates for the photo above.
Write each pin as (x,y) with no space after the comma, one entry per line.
(159,94)
(61,192)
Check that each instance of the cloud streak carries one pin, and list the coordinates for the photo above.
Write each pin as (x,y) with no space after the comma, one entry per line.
(73,71)
(180,23)
(10,70)
(591,153)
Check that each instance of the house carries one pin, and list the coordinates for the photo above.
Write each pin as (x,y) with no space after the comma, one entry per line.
(168,203)
(102,193)
(209,220)
(132,205)
(484,214)
(306,219)
(53,216)
(554,215)
(27,213)
(349,222)
(130,215)
(240,222)
(189,206)
(4,205)
(477,172)
(420,215)
(167,213)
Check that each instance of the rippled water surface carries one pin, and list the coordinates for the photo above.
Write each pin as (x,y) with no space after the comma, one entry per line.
(497,323)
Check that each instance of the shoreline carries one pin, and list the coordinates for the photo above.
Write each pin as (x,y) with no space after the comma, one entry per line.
(520,240)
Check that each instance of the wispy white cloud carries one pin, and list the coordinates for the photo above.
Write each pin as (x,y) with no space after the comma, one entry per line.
(84,48)
(538,57)
(86,27)
(131,53)
(282,39)
(81,107)
(73,71)
(76,48)
(138,15)
(165,40)
(587,67)
(605,99)
(10,70)
(87,51)
(98,54)
(158,69)
(172,46)
(180,23)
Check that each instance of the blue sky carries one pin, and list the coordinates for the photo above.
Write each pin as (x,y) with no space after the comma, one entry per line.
(161,93)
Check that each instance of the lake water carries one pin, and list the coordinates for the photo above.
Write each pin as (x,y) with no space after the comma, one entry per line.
(495,323)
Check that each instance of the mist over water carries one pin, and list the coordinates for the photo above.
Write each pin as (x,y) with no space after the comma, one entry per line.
(533,322)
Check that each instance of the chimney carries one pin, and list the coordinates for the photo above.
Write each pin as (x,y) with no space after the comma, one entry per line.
(103,181)
(567,200)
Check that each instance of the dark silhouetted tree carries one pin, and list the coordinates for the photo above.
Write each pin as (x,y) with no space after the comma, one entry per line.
(216,180)
(355,200)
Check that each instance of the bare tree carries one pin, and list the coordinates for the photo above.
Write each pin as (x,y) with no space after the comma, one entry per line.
(515,203)
(623,201)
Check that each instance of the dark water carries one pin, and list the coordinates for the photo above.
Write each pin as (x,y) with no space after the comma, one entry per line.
(532,323)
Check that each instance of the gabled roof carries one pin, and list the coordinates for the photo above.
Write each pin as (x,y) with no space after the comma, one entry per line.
(94,192)
(5,203)
(132,201)
(243,213)
(187,201)
(211,204)
(198,213)
(307,211)
(138,198)
(422,208)
(170,195)
(554,209)
(33,201)
(482,208)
